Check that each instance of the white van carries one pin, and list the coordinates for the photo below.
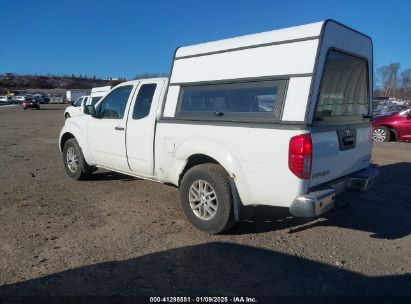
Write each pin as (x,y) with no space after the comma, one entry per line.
(279,118)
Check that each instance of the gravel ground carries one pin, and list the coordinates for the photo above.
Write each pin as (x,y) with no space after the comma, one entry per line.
(117,235)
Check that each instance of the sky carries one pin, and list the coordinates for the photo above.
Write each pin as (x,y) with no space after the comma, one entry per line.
(124,38)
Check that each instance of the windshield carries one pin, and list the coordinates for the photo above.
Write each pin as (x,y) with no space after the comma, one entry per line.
(344,90)
(77,103)
(405,112)
(394,108)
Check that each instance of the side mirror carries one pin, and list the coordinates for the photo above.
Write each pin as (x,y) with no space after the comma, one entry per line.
(72,103)
(90,110)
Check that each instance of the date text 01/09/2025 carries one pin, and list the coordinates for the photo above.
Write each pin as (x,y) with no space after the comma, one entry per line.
(237,299)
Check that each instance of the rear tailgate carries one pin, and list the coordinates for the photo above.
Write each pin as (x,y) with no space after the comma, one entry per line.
(341,133)
(339,152)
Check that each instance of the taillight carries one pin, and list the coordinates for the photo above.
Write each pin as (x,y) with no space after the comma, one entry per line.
(299,155)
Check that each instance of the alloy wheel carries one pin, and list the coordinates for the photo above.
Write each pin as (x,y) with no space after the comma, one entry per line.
(72,159)
(379,135)
(203,200)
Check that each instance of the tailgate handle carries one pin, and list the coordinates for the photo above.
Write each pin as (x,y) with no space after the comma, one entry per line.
(348,140)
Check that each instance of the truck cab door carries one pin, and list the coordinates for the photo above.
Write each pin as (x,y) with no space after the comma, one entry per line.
(107,131)
(141,127)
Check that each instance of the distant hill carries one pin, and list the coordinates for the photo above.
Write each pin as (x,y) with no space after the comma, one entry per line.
(17,83)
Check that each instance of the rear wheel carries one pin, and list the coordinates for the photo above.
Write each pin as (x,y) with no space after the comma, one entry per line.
(381,134)
(206,198)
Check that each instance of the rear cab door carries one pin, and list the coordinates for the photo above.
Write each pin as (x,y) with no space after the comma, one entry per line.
(141,125)
(341,102)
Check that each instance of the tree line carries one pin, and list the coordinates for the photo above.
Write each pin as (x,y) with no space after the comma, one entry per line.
(391,81)
(13,82)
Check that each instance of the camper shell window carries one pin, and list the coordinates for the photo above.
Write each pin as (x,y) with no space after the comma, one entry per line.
(241,101)
(344,96)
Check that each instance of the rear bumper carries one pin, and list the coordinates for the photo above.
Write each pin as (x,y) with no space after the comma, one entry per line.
(322,199)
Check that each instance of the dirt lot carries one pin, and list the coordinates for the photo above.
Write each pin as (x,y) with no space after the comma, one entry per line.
(116,235)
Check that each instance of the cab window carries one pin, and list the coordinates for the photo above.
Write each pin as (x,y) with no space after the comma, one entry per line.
(142,105)
(114,105)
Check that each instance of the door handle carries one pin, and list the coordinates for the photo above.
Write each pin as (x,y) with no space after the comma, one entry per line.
(119,128)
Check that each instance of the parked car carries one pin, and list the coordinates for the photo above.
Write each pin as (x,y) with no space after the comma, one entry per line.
(56,100)
(397,102)
(46,98)
(241,121)
(3,100)
(31,103)
(18,99)
(396,126)
(39,97)
(389,109)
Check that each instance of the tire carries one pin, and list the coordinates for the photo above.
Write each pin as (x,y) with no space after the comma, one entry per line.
(74,162)
(381,134)
(67,116)
(219,213)
(24,108)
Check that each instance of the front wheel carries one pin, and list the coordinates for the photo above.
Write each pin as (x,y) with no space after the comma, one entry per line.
(381,134)
(206,198)
(74,162)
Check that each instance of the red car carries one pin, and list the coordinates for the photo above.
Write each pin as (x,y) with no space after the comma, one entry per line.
(30,103)
(395,126)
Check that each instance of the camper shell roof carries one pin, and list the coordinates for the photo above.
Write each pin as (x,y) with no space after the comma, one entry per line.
(285,35)
(296,55)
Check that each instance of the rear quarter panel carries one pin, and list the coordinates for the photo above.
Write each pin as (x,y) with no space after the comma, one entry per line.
(256,158)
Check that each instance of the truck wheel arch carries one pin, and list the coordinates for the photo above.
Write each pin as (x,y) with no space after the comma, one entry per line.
(201,159)
(71,130)
(65,137)
(195,160)
(202,150)
(394,134)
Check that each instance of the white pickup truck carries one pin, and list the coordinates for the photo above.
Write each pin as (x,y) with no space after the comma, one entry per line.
(77,107)
(279,118)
